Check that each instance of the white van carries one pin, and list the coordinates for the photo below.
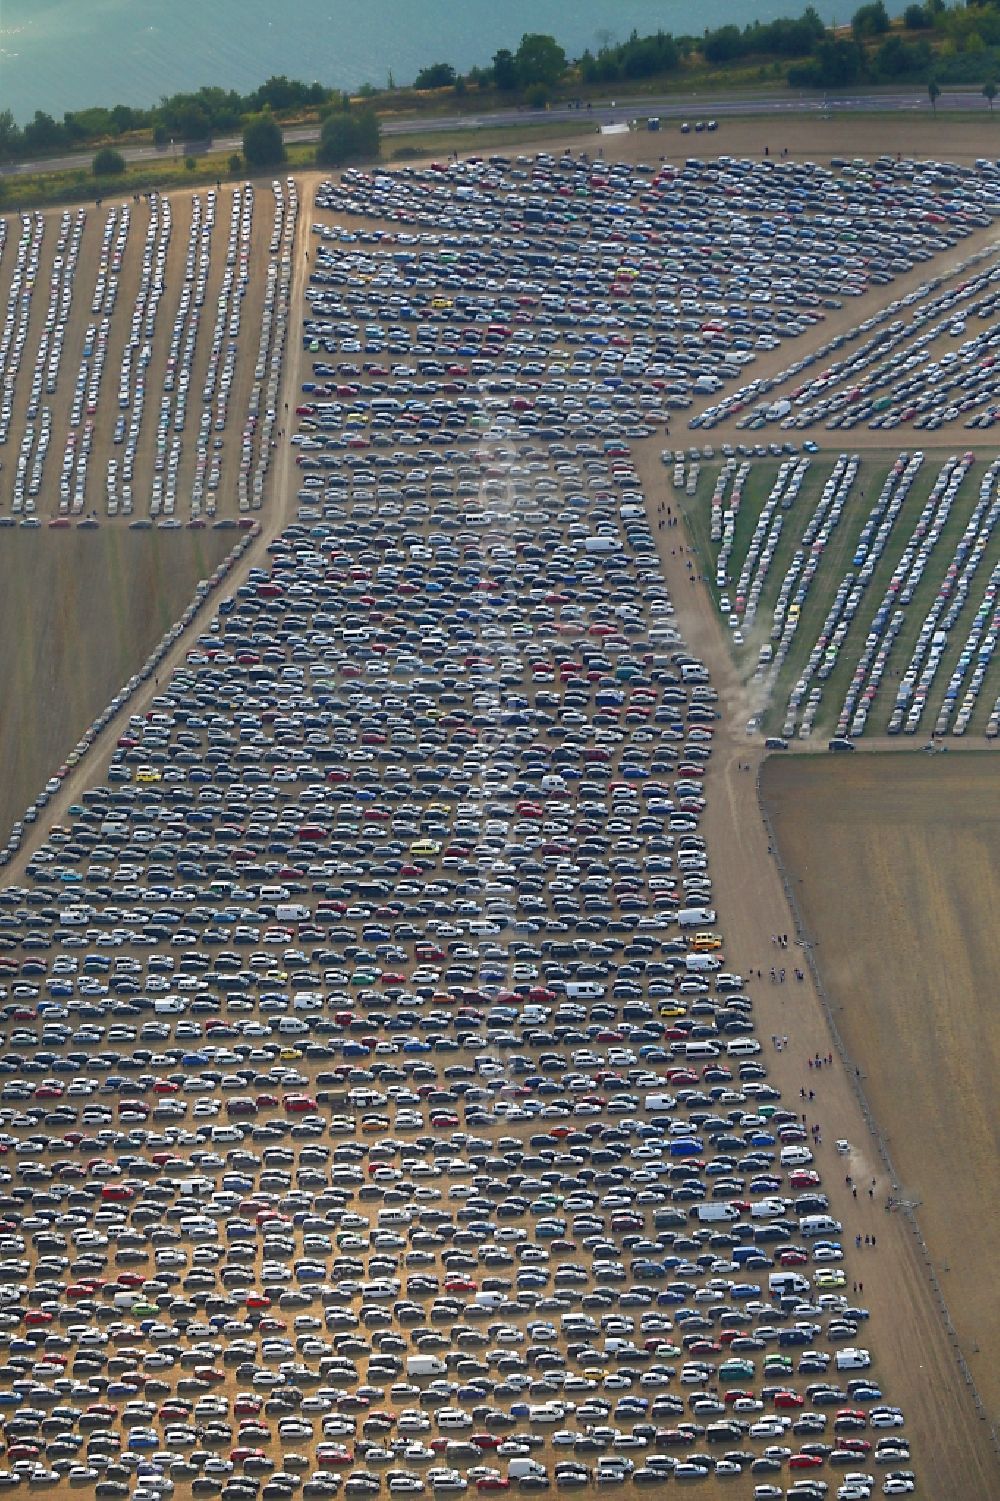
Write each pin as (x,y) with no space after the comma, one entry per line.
(695,917)
(584,990)
(743,1047)
(521,1466)
(292,1026)
(783,1283)
(701,964)
(819,1224)
(853,1359)
(694,1050)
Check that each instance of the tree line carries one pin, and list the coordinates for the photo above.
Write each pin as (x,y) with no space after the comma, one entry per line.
(933,42)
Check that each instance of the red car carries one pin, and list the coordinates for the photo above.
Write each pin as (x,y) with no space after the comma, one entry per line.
(805,1462)
(788,1399)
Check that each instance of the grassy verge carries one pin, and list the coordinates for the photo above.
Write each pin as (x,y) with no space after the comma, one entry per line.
(400,148)
(79,185)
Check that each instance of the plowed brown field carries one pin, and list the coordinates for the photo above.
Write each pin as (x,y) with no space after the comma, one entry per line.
(79,613)
(895,862)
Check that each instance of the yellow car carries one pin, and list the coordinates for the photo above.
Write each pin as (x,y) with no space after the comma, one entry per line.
(425,847)
(706,943)
(148,774)
(290,1054)
(671,1009)
(829,1276)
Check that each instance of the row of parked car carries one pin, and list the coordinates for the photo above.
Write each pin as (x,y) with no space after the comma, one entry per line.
(381,1108)
(936,642)
(128,490)
(258,437)
(910,370)
(888,379)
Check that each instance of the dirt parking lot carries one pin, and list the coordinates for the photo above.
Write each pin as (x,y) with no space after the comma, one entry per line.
(78,613)
(895,864)
(161,346)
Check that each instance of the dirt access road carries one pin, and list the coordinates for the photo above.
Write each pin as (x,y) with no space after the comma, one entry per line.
(912,1354)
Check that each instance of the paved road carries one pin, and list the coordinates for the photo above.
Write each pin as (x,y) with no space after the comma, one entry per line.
(692,107)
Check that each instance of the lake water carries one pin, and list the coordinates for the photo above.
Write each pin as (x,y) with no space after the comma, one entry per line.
(57,55)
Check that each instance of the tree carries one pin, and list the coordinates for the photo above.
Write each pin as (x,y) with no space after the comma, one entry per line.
(122,119)
(723,45)
(348,138)
(11,140)
(263,144)
(186,118)
(505,70)
(108,163)
(989,93)
(870,20)
(539,59)
(916,18)
(536,96)
(281,93)
(235,164)
(42,133)
(436,76)
(933,91)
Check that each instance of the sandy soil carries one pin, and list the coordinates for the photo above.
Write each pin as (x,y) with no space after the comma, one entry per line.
(896,863)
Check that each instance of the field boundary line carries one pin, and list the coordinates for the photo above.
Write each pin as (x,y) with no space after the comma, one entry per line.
(854,1075)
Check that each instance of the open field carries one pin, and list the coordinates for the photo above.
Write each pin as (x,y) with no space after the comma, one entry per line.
(78,613)
(895,866)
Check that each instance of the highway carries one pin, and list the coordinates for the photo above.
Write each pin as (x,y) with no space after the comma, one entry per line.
(692,107)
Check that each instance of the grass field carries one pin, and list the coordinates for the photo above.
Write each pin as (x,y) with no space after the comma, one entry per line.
(894,861)
(836,563)
(79,612)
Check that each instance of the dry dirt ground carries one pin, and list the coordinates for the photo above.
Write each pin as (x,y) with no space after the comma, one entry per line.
(895,863)
(79,611)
